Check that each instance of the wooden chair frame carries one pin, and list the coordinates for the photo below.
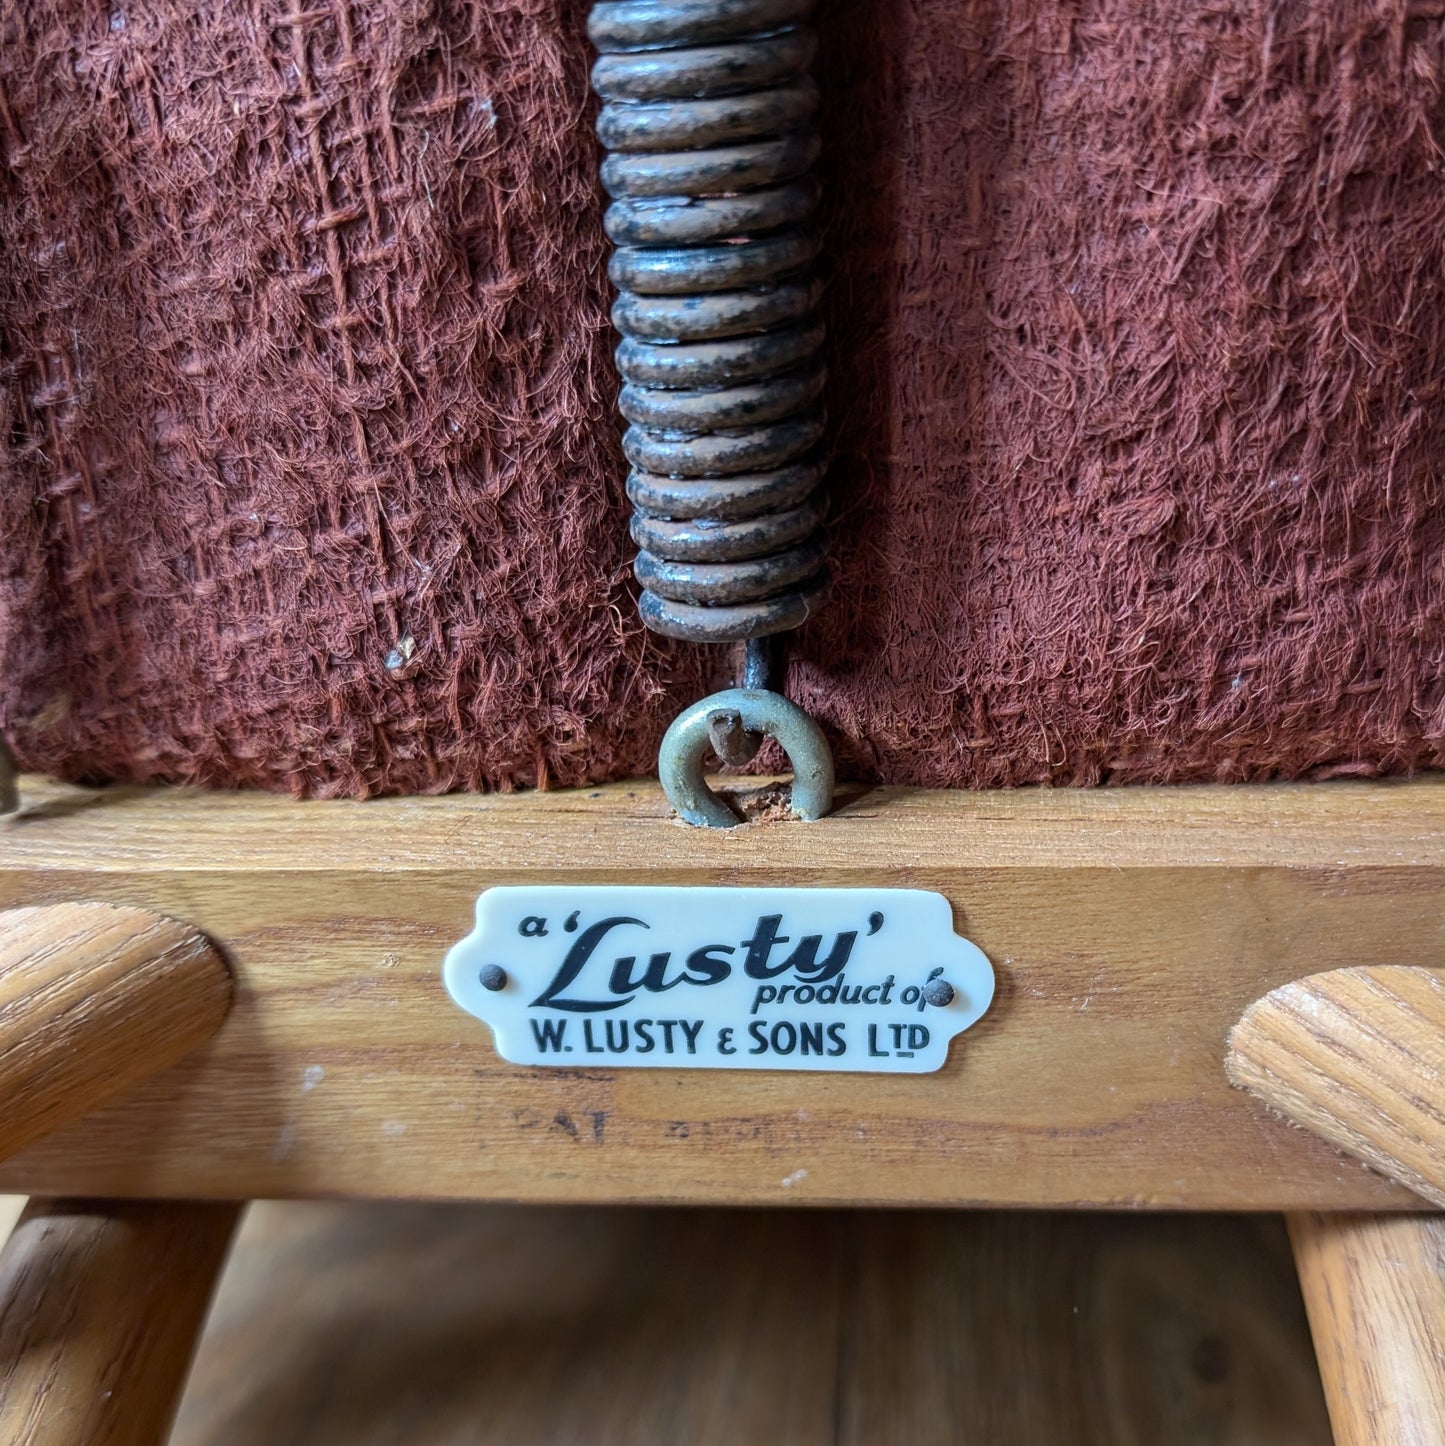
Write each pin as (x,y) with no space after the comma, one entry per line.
(1131,929)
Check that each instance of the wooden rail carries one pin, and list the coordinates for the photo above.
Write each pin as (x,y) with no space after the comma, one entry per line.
(1129,929)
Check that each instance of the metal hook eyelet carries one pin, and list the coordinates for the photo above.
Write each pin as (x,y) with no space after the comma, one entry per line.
(679,761)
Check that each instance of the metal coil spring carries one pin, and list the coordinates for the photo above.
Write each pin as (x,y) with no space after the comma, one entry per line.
(708,115)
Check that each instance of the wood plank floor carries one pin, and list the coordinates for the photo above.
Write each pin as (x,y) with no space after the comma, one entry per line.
(377,1325)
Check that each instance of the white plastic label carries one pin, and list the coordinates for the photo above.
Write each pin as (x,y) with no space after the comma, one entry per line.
(820,979)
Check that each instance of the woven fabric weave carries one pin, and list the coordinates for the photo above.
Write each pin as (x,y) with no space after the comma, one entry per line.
(311,476)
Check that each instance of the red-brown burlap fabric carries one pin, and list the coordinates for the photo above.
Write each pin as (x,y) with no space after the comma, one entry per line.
(311,466)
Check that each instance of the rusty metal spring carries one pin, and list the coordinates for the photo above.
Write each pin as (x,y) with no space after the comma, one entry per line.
(708,118)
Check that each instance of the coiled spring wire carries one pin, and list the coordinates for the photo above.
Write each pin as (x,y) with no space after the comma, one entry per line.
(708,115)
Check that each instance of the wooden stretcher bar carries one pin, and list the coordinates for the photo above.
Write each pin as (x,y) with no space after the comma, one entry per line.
(1129,929)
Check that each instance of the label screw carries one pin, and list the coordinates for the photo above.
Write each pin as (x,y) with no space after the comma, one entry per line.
(939,992)
(494,977)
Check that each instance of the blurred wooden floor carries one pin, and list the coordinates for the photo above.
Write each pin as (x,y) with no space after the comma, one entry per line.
(378,1325)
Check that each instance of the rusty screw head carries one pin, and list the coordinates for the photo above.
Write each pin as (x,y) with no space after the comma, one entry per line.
(732,743)
(494,977)
(939,992)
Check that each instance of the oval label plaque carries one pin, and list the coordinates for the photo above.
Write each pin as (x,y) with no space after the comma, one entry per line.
(719,978)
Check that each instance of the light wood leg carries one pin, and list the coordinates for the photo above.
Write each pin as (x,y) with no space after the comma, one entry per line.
(101,1303)
(1374,1288)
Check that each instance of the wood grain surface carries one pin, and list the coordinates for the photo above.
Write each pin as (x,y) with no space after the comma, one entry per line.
(1129,930)
(100,1308)
(1358,1057)
(1374,1287)
(93,998)
(368,1325)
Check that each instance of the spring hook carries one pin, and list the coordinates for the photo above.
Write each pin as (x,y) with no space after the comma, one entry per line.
(679,763)
(708,116)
